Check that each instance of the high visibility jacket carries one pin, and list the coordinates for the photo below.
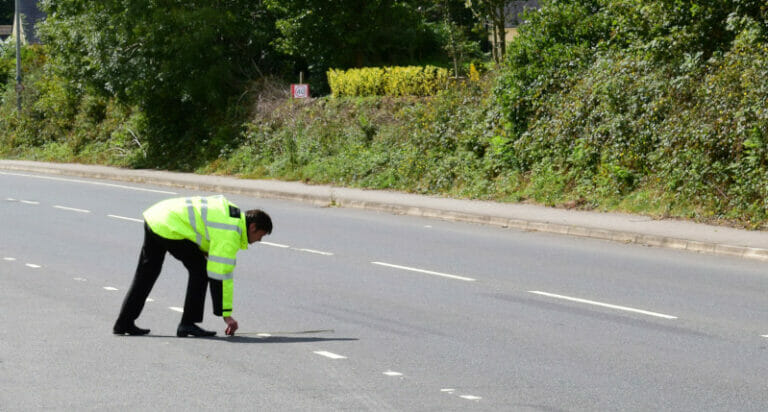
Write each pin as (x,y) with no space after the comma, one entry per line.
(216,226)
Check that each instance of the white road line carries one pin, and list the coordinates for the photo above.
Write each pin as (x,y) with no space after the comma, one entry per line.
(80,279)
(10,259)
(329,354)
(275,245)
(605,305)
(149,300)
(90,183)
(109,288)
(393,373)
(471,397)
(317,252)
(30,202)
(765,336)
(72,209)
(32,265)
(448,390)
(428,272)
(126,218)
(177,309)
(10,199)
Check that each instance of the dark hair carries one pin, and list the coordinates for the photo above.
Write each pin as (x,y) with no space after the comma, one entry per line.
(261,218)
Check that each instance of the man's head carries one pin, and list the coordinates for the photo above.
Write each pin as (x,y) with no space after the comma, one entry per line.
(258,223)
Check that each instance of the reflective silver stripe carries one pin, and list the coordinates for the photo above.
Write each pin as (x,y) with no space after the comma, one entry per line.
(225,226)
(219,276)
(192,221)
(219,259)
(204,213)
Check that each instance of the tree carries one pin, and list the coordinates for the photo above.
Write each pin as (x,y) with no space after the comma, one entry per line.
(323,34)
(493,13)
(178,61)
(456,39)
(6,12)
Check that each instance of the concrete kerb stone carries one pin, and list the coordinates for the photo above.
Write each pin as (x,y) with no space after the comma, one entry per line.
(333,199)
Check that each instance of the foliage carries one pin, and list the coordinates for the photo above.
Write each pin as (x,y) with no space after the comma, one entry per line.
(494,14)
(351,33)
(388,81)
(648,106)
(179,62)
(6,12)
(604,100)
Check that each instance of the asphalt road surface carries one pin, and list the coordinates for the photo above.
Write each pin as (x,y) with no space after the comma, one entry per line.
(426,315)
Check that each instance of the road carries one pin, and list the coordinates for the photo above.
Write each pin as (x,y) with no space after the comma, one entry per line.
(427,315)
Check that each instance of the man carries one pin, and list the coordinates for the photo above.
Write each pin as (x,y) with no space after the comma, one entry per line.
(205,234)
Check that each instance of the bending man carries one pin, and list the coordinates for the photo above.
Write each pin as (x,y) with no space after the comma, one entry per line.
(205,234)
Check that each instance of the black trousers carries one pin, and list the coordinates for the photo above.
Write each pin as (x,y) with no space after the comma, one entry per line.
(151,262)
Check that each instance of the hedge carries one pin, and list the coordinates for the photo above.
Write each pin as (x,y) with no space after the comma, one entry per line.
(388,81)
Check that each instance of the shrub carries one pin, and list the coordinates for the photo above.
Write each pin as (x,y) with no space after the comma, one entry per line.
(388,81)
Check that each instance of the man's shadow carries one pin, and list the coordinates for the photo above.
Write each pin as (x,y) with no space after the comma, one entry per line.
(254,339)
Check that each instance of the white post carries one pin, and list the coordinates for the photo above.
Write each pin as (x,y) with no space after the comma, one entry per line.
(18,58)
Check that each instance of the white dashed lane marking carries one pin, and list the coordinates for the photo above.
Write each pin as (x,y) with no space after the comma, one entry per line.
(176,309)
(428,272)
(317,252)
(29,202)
(471,397)
(330,355)
(126,218)
(393,373)
(80,279)
(601,304)
(32,265)
(10,259)
(109,288)
(275,245)
(71,209)
(765,336)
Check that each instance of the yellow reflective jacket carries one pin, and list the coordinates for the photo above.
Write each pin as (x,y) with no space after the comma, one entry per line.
(216,226)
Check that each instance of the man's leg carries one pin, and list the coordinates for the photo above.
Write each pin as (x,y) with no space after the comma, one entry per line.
(148,269)
(194,303)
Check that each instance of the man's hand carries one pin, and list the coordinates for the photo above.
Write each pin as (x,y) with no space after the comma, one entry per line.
(231,325)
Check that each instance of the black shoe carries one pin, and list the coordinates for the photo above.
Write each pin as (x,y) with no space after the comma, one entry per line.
(130,329)
(185,330)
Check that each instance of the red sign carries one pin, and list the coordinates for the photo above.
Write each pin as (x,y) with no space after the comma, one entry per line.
(300,91)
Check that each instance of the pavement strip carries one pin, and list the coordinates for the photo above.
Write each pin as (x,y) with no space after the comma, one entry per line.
(141,189)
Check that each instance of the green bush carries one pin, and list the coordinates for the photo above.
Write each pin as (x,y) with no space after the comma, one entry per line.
(388,81)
